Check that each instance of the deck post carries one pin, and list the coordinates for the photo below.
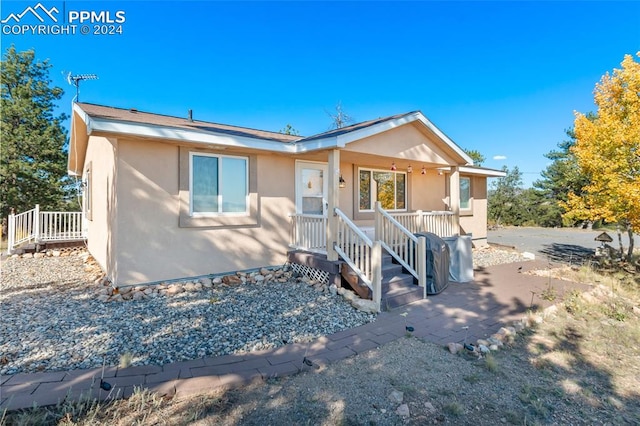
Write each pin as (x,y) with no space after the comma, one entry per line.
(377,222)
(11,232)
(454,198)
(419,223)
(422,265)
(333,198)
(36,223)
(376,267)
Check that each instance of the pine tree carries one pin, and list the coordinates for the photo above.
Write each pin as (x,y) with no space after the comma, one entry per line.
(33,162)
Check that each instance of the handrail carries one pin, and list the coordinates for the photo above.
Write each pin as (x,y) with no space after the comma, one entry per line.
(308,231)
(402,245)
(441,223)
(22,228)
(362,255)
(36,226)
(60,226)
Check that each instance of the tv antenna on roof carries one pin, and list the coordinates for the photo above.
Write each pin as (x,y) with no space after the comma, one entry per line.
(76,79)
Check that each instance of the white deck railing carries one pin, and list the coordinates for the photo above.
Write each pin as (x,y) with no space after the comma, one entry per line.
(309,232)
(410,251)
(441,223)
(34,226)
(362,255)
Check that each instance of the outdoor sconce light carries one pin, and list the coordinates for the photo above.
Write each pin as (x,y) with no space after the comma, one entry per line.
(409,169)
(393,166)
(341,182)
(423,171)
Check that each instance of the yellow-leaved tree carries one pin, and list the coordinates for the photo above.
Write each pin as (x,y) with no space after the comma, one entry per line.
(607,150)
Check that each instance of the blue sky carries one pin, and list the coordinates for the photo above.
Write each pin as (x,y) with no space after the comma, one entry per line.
(503,78)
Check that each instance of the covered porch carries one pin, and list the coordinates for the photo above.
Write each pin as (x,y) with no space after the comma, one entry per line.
(362,211)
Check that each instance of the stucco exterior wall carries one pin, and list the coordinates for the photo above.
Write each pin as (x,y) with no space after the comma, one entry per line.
(428,191)
(405,142)
(476,223)
(151,244)
(100,221)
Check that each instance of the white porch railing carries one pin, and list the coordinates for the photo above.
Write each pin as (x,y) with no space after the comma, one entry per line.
(309,232)
(362,255)
(36,226)
(410,251)
(441,223)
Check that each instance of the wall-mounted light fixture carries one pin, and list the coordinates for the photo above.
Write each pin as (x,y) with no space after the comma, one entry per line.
(341,182)
(423,171)
(393,166)
(409,169)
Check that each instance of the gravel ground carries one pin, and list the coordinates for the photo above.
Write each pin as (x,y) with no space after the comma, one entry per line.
(52,319)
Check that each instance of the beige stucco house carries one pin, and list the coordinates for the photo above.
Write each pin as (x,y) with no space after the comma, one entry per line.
(169,197)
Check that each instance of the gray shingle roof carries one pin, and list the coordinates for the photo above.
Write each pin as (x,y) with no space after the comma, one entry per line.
(135,116)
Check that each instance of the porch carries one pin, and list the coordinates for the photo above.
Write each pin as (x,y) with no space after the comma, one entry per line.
(35,227)
(385,263)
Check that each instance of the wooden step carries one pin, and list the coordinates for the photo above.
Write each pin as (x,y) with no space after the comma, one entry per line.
(398,287)
(400,296)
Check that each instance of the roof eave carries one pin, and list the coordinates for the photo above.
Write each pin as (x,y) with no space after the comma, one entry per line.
(187,136)
(476,171)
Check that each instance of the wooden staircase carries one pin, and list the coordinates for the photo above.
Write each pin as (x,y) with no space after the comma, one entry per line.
(398,287)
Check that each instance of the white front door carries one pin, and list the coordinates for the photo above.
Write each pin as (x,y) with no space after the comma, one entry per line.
(311,187)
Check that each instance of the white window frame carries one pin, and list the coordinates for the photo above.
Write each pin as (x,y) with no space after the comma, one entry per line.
(220,186)
(373,193)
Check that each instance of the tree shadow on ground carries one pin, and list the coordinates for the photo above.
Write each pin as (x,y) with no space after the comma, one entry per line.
(567,253)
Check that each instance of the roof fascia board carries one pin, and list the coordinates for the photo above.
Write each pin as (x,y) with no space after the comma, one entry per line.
(162,132)
(83,116)
(376,128)
(341,141)
(314,145)
(475,170)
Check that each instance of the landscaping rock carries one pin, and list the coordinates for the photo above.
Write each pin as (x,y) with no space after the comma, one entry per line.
(403,411)
(454,348)
(396,397)
(364,305)
(174,289)
(232,279)
(429,407)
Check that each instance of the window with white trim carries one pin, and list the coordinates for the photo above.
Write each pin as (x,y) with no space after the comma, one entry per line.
(465,193)
(218,185)
(388,187)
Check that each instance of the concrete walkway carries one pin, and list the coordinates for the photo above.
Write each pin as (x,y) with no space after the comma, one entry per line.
(500,295)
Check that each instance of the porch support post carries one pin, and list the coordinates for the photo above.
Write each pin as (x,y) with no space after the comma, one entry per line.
(333,198)
(454,198)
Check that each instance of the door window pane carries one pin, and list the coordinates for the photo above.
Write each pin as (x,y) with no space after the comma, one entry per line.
(312,182)
(312,205)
